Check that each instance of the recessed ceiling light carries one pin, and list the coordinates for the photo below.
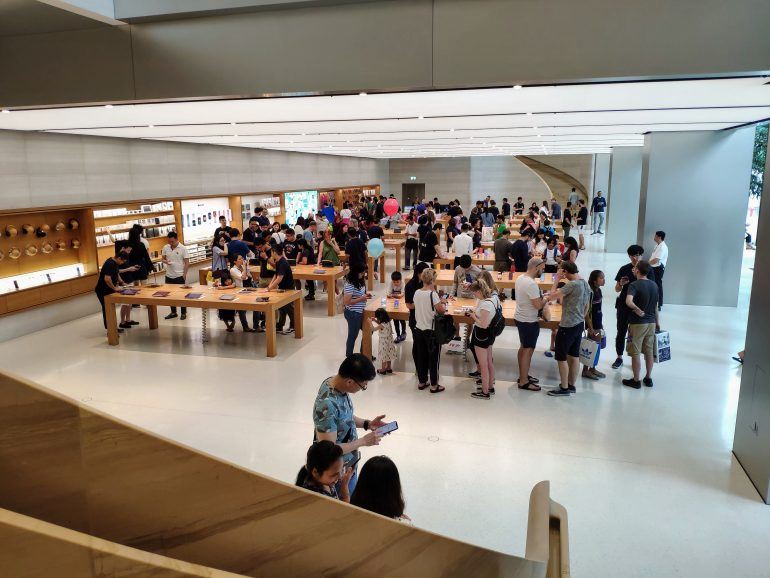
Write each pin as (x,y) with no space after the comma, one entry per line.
(107,106)
(304,134)
(235,135)
(451,130)
(6,111)
(534,127)
(361,94)
(539,136)
(421,117)
(291,142)
(232,124)
(529,114)
(150,126)
(517,87)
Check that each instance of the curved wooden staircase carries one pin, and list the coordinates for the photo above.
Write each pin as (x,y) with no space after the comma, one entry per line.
(558,182)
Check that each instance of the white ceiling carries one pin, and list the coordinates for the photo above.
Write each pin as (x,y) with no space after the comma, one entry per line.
(531,120)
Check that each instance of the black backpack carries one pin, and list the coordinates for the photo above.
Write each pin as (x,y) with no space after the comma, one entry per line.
(497,324)
(443,326)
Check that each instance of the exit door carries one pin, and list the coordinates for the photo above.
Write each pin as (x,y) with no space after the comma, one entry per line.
(412,193)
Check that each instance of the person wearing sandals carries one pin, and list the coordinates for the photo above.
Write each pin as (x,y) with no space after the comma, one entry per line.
(594,319)
(482,339)
(386,352)
(529,302)
(425,351)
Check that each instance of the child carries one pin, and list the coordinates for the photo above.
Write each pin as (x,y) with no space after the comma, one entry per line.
(387,349)
(395,290)
(594,325)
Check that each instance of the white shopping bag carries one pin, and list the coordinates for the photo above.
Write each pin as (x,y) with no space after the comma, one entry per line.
(662,347)
(589,351)
(487,234)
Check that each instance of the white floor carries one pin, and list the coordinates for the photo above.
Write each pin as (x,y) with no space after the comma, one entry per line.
(647,476)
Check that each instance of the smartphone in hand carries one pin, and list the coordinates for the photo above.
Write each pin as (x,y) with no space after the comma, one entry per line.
(387,428)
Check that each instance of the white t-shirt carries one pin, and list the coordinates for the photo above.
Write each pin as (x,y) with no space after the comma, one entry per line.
(346,213)
(489,305)
(463,245)
(423,313)
(660,252)
(278,237)
(526,290)
(238,277)
(175,258)
(411,230)
(550,255)
(323,224)
(390,290)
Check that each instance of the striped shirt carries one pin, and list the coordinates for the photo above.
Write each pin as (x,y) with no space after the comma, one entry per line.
(355,292)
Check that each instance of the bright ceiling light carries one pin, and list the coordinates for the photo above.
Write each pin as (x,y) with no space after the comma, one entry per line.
(421,117)
(6,111)
(451,130)
(107,106)
(517,87)
(232,124)
(361,94)
(529,114)
(235,135)
(534,127)
(150,126)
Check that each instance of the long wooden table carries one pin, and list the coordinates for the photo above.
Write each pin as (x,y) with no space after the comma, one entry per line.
(476,258)
(397,244)
(456,310)
(209,300)
(446,277)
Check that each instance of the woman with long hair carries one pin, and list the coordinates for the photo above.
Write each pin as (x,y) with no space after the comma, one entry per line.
(379,489)
(425,351)
(595,326)
(482,338)
(324,471)
(571,250)
(354,296)
(219,255)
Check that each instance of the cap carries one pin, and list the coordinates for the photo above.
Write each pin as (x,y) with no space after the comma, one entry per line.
(534,262)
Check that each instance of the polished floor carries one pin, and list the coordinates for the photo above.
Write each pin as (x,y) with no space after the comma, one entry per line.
(647,476)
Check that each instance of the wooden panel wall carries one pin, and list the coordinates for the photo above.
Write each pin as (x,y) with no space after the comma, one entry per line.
(77,468)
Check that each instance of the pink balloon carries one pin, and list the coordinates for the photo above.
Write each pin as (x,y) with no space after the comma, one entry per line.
(390,207)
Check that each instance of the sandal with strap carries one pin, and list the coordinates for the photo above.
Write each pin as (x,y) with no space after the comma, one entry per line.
(422,386)
(529,386)
(533,379)
(439,389)
(382,371)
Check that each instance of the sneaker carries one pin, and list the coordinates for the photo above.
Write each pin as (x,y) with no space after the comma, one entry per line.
(183,317)
(133,322)
(647,381)
(405,269)
(309,298)
(288,331)
(170,316)
(548,353)
(558,392)
(491,390)
(260,329)
(618,362)
(481,395)
(571,389)
(632,383)
(474,374)
(125,325)
(588,375)
(598,373)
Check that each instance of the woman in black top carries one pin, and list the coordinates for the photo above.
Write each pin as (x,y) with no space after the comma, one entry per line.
(139,257)
(409,290)
(582,221)
(379,489)
(595,325)
(566,221)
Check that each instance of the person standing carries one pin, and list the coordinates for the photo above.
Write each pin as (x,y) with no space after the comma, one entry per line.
(622,280)
(575,298)
(555,210)
(355,249)
(223,226)
(506,208)
(334,419)
(573,197)
(598,206)
(241,276)
(177,261)
(410,289)
(643,322)
(502,250)
(425,351)
(411,246)
(429,247)
(520,252)
(582,222)
(658,261)
(594,321)
(482,336)
(463,243)
(283,279)
(529,302)
(354,297)
(236,246)
(566,221)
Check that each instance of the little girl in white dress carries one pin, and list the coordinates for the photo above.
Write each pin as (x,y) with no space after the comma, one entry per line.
(387,349)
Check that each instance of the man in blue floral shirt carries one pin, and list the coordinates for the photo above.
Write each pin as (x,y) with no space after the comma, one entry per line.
(333,415)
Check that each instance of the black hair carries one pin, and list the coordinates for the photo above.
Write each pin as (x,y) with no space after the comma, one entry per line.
(644,268)
(354,275)
(302,243)
(465,261)
(422,219)
(569,267)
(277,250)
(505,199)
(352,232)
(357,367)
(438,226)
(379,488)
(593,277)
(320,457)
(135,234)
(661,234)
(253,220)
(257,209)
(528,232)
(396,276)
(234,232)
(572,245)
(222,217)
(635,250)
(172,235)
(418,269)
(290,231)
(382,316)
(121,253)
(259,240)
(465,227)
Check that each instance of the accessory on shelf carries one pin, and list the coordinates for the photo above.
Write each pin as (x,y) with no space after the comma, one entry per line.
(11,231)
(75,243)
(27,229)
(73,224)
(14,253)
(40,233)
(45,228)
(60,226)
(47,248)
(30,251)
(61,245)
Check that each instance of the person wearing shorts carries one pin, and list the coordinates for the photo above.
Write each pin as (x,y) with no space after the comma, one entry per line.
(643,322)
(575,297)
(582,222)
(529,302)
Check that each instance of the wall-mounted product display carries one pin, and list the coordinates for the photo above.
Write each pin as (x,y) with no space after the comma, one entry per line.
(271,203)
(200,218)
(51,249)
(300,204)
(325,197)
(350,194)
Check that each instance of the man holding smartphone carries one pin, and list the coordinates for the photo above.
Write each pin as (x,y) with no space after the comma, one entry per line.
(622,279)
(333,415)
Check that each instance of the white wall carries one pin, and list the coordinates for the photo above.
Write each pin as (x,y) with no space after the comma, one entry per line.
(623,198)
(505,177)
(695,187)
(600,179)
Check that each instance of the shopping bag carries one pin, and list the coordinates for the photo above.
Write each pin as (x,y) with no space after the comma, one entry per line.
(589,351)
(662,346)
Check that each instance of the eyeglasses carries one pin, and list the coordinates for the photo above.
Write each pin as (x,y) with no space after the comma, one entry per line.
(361,385)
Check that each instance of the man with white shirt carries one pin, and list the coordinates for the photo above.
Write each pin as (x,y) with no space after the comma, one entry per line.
(463,243)
(177,261)
(529,301)
(658,261)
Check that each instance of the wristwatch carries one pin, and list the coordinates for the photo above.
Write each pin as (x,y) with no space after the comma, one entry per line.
(366,424)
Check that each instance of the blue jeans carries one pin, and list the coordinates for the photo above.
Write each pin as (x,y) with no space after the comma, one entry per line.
(355,320)
(598,221)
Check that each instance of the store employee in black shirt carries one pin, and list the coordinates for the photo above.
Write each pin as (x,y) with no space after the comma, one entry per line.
(622,279)
(506,208)
(283,279)
(109,278)
(250,235)
(429,247)
(520,251)
(223,227)
(355,249)
(518,207)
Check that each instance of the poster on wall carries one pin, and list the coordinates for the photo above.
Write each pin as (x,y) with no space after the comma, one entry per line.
(300,204)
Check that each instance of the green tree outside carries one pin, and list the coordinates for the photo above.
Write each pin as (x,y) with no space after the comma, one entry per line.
(760,158)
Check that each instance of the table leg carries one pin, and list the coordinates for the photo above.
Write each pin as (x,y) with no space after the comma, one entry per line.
(112,322)
(299,328)
(272,349)
(398,258)
(370,276)
(152,316)
(205,325)
(366,334)
(382,268)
(331,305)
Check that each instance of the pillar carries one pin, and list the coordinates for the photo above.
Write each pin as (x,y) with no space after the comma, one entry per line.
(623,198)
(751,444)
(695,187)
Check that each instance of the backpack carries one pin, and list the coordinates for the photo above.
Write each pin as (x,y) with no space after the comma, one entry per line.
(497,324)
(443,326)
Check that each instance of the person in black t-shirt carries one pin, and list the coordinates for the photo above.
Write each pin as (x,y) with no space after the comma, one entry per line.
(582,221)
(283,279)
(520,251)
(223,226)
(429,247)
(109,278)
(518,207)
(373,229)
(423,228)
(250,235)
(642,303)
(622,279)
(506,208)
(290,249)
(355,249)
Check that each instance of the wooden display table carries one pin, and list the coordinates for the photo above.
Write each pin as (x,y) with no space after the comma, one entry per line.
(397,244)
(209,300)
(446,277)
(390,234)
(455,309)
(476,258)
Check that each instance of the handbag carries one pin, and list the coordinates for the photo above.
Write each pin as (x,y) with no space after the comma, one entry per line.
(662,346)
(589,351)
(443,326)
